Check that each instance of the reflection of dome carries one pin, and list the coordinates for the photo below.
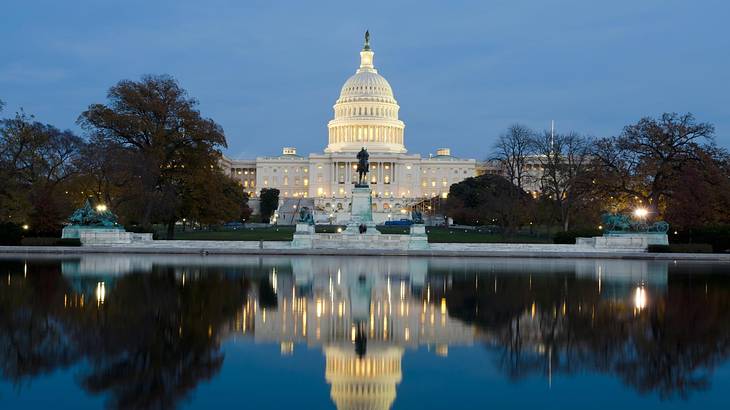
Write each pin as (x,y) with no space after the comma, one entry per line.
(363,383)
(366,114)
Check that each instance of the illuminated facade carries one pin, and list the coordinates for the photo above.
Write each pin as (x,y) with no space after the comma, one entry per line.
(366,114)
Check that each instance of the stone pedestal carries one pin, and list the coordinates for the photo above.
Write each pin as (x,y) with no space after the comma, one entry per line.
(634,240)
(99,235)
(303,236)
(362,212)
(418,237)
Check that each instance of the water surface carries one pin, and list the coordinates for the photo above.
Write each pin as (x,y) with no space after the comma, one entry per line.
(354,333)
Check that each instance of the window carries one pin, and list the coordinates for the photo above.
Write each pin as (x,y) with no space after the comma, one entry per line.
(286,180)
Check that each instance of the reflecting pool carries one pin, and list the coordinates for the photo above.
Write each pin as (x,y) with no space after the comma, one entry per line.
(362,333)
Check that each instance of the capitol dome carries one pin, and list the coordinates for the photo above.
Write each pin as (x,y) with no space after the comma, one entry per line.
(366,114)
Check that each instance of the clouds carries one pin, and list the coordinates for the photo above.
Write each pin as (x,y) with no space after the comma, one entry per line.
(462,71)
(24,73)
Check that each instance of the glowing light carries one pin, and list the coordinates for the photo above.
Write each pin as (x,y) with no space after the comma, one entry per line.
(26,227)
(101,208)
(640,298)
(641,212)
(100,293)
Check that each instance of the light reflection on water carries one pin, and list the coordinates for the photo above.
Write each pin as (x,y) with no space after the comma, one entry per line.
(144,331)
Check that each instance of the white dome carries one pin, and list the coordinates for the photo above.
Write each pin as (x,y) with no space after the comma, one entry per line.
(366,114)
(366,86)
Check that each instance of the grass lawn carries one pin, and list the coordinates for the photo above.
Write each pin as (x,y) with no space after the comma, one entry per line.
(281,233)
(284,233)
(444,235)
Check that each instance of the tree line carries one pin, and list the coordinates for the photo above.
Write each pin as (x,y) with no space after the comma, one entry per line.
(147,153)
(669,165)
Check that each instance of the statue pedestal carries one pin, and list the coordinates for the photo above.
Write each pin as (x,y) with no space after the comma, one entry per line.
(418,237)
(100,235)
(633,240)
(303,236)
(362,212)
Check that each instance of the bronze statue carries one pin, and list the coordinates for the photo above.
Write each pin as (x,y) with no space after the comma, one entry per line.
(416,216)
(363,167)
(305,216)
(88,216)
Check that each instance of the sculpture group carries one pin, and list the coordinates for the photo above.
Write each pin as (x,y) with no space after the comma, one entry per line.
(622,223)
(88,216)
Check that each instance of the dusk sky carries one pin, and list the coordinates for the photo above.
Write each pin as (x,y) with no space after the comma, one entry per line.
(462,72)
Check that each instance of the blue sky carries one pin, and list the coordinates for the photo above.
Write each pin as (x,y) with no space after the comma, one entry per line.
(270,71)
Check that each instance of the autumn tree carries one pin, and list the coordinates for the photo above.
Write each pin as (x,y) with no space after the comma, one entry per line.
(700,195)
(36,161)
(642,164)
(171,149)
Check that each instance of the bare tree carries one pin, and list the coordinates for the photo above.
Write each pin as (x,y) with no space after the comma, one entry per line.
(511,151)
(565,159)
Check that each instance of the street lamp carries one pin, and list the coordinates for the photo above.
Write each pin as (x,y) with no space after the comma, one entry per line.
(641,213)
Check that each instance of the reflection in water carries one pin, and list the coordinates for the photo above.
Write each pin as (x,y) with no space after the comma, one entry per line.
(146,331)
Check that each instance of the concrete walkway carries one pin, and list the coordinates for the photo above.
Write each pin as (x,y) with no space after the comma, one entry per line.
(437,250)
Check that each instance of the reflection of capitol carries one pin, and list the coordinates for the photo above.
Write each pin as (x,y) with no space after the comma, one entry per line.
(365,312)
(362,320)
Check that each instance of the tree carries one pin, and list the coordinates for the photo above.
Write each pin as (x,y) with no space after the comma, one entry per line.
(36,161)
(642,163)
(511,151)
(231,202)
(269,202)
(173,147)
(489,199)
(701,193)
(565,180)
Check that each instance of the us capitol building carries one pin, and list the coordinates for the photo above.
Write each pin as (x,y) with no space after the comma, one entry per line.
(365,115)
